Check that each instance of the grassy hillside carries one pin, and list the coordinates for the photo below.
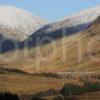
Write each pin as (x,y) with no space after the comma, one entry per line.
(71,53)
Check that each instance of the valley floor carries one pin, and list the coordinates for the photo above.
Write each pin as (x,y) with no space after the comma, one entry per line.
(25,85)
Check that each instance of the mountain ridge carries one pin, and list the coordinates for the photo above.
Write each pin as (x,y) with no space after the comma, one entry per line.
(71,25)
(18,24)
(53,57)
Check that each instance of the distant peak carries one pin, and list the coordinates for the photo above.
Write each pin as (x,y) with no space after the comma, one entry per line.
(18,24)
(84,11)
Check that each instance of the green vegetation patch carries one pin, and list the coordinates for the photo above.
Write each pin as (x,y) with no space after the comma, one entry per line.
(72,89)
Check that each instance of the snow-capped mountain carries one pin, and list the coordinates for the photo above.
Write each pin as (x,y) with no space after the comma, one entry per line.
(72,24)
(83,18)
(18,24)
(21,25)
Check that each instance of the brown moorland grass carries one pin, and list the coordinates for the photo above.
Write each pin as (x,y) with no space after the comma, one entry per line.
(28,84)
(53,57)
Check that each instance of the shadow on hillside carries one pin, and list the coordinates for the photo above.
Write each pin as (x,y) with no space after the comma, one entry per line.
(35,39)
